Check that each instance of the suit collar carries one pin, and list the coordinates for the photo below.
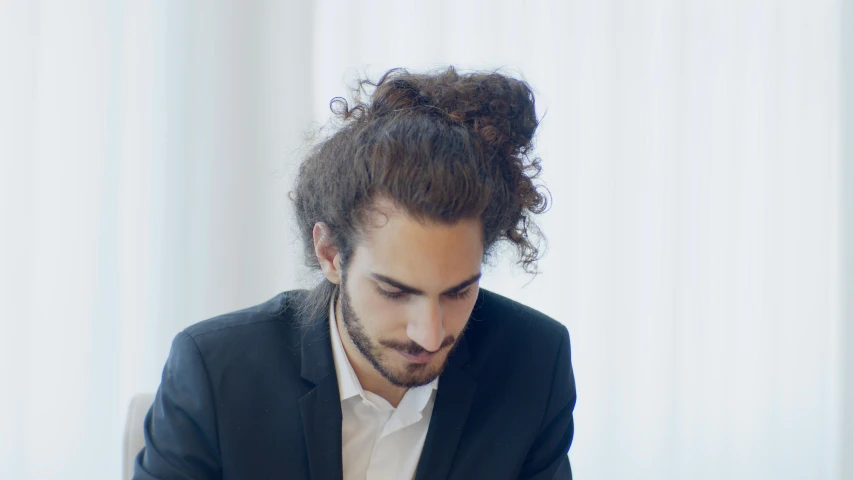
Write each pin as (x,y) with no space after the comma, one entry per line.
(317,360)
(321,407)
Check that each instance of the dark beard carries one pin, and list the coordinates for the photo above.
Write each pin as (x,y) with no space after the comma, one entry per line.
(416,374)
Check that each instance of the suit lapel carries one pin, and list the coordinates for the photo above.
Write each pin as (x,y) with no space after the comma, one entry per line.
(321,420)
(452,402)
(321,407)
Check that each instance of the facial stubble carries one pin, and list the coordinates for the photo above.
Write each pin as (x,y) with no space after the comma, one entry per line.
(415,374)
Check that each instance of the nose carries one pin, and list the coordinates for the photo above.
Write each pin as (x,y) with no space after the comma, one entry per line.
(427,327)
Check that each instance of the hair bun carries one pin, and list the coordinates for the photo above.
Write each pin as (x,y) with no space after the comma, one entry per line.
(497,109)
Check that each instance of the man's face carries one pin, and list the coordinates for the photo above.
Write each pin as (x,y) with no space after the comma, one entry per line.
(407,294)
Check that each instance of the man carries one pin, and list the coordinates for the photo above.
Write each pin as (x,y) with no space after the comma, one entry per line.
(397,365)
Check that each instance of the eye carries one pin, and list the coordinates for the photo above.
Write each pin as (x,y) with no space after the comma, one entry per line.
(402,295)
(460,295)
(391,295)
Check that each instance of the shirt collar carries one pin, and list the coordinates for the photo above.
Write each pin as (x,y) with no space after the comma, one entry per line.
(348,384)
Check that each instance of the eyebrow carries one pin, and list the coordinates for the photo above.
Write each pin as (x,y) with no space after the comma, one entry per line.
(416,291)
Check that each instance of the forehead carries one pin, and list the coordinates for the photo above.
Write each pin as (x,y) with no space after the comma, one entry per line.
(425,255)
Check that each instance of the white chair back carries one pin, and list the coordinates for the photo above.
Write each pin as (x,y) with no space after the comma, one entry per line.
(133,437)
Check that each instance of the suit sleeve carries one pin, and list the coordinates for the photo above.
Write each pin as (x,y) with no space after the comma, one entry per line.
(181,439)
(548,457)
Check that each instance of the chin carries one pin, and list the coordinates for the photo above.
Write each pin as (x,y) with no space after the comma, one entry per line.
(407,374)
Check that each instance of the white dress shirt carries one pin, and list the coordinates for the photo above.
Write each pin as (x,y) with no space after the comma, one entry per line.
(379,442)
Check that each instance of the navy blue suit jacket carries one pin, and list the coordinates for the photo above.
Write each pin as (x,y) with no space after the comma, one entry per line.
(254,395)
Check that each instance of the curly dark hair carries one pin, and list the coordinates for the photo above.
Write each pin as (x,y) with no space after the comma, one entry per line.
(444,146)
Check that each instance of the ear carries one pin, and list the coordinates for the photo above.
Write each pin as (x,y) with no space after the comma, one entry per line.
(327,253)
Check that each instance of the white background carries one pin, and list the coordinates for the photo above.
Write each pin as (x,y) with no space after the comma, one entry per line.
(694,151)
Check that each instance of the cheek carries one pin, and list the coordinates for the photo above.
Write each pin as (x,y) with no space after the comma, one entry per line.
(377,314)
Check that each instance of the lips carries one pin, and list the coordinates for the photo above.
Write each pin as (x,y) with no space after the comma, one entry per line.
(420,358)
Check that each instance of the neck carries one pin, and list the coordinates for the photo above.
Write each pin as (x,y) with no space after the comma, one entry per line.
(369,378)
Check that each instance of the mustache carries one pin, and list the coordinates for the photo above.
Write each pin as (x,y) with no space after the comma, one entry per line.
(413,348)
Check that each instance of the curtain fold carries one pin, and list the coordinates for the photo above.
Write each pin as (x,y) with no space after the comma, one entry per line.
(145,156)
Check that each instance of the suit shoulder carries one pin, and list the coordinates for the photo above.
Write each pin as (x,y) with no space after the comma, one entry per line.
(277,309)
(512,346)
(513,315)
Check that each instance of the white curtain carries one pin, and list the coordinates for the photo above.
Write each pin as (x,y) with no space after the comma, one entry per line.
(147,149)
(692,149)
